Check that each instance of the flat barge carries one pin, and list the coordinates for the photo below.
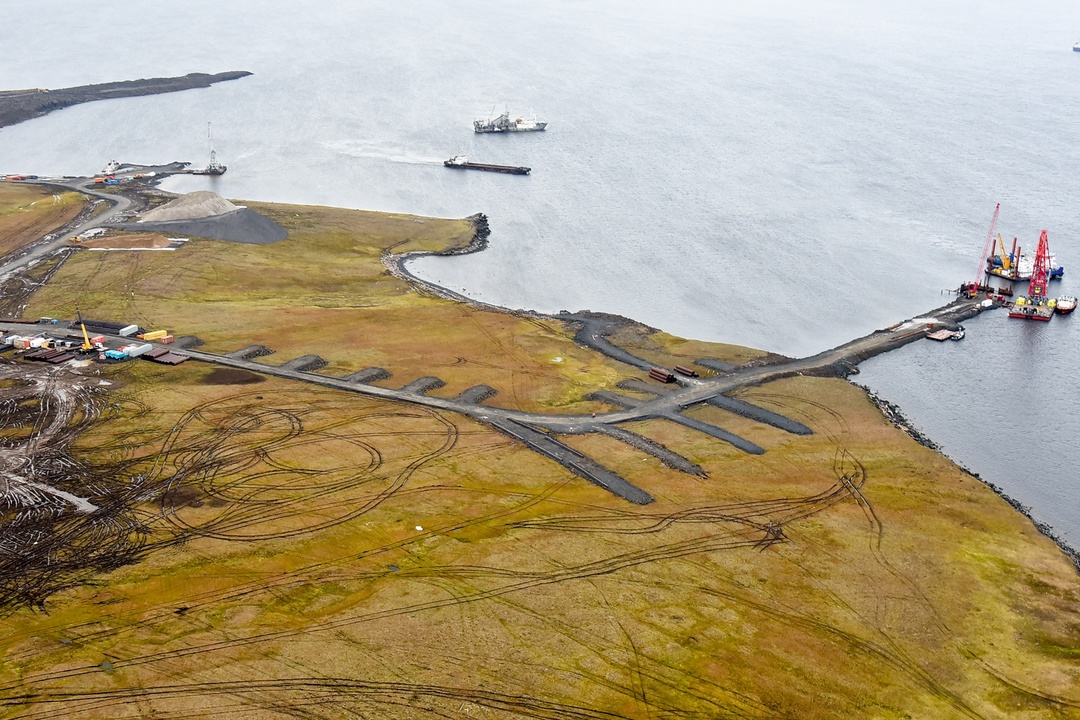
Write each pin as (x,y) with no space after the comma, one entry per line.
(461,162)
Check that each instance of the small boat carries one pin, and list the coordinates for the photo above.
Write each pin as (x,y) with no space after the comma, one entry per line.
(1076,47)
(958,334)
(1065,304)
(461,162)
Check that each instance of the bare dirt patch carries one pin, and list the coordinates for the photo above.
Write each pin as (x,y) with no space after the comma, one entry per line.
(136,241)
(231,376)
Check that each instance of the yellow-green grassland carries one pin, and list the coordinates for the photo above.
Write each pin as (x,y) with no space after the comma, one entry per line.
(314,553)
(29,211)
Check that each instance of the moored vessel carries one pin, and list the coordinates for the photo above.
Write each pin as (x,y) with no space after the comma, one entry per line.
(214,168)
(1017,265)
(504,123)
(461,162)
(1065,304)
(1035,305)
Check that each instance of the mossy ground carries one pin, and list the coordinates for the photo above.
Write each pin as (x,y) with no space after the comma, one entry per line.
(287,576)
(28,212)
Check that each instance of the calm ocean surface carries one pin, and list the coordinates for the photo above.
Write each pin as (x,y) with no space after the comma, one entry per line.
(775,174)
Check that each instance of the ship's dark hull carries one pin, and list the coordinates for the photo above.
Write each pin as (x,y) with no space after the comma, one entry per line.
(507,169)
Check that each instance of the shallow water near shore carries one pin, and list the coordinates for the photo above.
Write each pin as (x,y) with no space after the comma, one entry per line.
(775,175)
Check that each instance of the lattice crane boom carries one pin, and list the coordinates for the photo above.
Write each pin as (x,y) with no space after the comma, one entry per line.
(988,248)
(1040,274)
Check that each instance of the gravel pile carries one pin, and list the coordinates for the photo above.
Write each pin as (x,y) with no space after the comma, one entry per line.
(191,206)
(241,225)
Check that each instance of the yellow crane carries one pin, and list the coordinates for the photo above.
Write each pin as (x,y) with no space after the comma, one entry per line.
(1006,260)
(86,346)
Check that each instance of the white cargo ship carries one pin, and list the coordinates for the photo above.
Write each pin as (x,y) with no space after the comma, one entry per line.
(504,123)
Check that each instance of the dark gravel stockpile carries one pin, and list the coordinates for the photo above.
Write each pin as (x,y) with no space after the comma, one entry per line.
(242,226)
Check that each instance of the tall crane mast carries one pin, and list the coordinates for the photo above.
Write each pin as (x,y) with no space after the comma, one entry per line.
(1040,274)
(988,248)
(86,346)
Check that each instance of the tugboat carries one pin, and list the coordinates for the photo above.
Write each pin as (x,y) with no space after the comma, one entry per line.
(1065,304)
(503,123)
(214,168)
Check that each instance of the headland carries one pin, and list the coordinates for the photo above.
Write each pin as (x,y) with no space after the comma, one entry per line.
(17,106)
(363,493)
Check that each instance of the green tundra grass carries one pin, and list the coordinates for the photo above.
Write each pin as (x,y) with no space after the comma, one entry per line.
(318,554)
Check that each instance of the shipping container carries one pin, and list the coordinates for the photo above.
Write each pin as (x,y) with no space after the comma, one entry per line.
(97,340)
(137,350)
(115,355)
(167,339)
(129,330)
(155,335)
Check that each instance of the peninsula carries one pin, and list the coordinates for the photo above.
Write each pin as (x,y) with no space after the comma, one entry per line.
(17,106)
(362,496)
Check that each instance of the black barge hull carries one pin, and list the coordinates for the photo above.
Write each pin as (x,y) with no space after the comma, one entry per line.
(508,169)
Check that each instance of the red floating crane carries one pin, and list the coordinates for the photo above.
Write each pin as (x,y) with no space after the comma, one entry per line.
(988,248)
(1035,306)
(1040,275)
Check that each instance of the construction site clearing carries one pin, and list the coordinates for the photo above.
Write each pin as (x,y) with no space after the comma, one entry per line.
(77,343)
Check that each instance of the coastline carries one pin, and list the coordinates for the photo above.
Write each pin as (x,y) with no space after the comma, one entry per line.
(287,514)
(18,106)
(895,415)
(396,264)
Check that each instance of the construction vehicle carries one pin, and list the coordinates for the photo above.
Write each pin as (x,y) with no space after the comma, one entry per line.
(87,346)
(1001,263)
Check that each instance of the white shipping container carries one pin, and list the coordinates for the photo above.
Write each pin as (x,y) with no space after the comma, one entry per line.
(137,350)
(38,342)
(129,330)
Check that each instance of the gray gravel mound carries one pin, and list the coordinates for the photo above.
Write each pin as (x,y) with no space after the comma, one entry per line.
(191,206)
(241,226)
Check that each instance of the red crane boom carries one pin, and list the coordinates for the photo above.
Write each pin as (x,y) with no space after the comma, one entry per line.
(988,248)
(1040,274)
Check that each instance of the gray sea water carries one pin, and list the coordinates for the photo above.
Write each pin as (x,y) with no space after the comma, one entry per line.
(776,174)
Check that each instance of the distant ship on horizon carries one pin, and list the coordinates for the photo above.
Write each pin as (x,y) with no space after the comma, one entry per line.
(503,123)
(1076,46)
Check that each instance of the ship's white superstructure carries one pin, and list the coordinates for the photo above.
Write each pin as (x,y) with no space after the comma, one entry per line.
(504,123)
